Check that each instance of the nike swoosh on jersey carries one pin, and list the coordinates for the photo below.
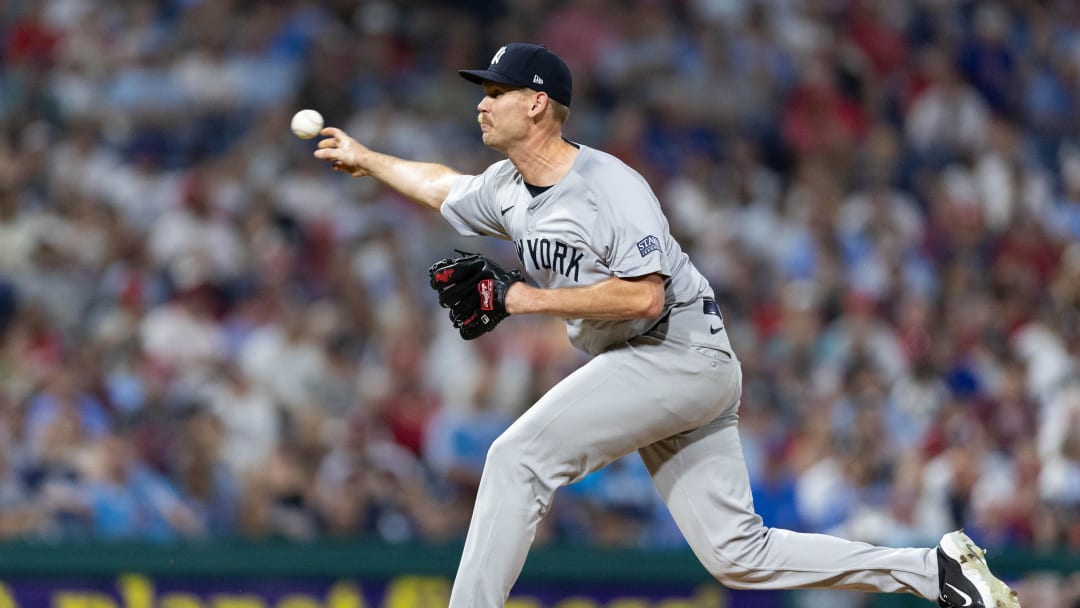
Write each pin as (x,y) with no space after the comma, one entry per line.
(715,330)
(503,211)
(966,597)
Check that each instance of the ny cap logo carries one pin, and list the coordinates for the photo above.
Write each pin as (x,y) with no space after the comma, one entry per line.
(498,55)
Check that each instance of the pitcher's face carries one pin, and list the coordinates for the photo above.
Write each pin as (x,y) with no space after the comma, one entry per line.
(504,114)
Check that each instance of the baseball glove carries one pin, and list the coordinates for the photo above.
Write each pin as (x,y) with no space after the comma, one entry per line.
(474,289)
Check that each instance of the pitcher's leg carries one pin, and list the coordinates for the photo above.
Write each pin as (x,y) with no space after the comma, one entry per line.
(702,478)
(604,410)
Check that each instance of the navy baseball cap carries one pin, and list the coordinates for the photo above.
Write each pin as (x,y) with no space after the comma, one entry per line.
(521,64)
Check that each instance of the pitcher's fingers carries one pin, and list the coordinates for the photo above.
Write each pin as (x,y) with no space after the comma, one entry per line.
(329,142)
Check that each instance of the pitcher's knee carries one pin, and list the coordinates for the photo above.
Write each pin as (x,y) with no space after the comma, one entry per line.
(514,464)
(734,575)
(509,459)
(737,564)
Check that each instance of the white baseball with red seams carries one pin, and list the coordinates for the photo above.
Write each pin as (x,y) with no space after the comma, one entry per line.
(306,123)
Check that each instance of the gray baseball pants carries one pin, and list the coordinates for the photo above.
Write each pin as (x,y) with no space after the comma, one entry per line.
(672,395)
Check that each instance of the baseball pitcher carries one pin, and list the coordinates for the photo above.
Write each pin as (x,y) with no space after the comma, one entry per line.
(663,380)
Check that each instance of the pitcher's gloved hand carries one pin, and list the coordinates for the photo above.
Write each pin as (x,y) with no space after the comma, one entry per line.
(474,289)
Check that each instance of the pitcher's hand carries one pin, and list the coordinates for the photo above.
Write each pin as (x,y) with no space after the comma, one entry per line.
(345,153)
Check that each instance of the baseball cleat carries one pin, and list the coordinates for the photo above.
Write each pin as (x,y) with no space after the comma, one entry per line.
(964,577)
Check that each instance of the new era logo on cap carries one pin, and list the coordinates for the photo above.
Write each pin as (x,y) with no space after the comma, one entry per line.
(527,65)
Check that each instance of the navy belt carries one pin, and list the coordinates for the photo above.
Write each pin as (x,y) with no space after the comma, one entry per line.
(709,307)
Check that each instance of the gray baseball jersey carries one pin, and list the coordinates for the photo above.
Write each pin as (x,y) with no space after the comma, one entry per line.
(601,221)
(668,388)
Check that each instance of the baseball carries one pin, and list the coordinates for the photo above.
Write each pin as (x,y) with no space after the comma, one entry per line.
(306,124)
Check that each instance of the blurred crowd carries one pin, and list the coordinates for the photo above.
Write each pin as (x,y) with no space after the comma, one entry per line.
(208,333)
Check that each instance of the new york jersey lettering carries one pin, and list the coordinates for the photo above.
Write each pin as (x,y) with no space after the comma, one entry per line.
(550,254)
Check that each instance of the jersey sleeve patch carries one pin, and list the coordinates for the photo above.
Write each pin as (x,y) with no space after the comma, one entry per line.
(647,245)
